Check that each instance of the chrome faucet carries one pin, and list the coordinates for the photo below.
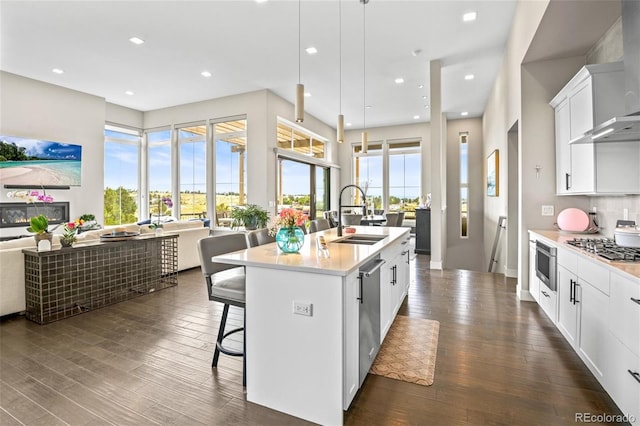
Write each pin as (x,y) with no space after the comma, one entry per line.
(340,206)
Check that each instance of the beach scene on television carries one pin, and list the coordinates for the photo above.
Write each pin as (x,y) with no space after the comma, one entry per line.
(38,162)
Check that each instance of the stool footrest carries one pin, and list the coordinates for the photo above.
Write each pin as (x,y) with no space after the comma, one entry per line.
(228,351)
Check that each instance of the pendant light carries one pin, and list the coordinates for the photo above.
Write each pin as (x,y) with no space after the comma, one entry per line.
(365,136)
(340,127)
(299,107)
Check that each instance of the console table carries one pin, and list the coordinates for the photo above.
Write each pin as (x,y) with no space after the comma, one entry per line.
(64,282)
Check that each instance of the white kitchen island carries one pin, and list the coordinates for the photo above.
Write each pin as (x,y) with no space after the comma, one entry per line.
(307,366)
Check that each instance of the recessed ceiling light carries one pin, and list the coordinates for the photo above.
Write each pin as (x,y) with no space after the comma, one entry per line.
(469,77)
(311,50)
(426,106)
(128,92)
(420,86)
(307,94)
(416,52)
(261,1)
(136,40)
(368,106)
(205,74)
(399,80)
(348,124)
(57,71)
(464,113)
(469,16)
(424,97)
(416,117)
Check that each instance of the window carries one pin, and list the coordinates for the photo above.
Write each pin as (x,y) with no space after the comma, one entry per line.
(230,141)
(297,139)
(404,177)
(368,175)
(159,171)
(193,171)
(121,183)
(464,185)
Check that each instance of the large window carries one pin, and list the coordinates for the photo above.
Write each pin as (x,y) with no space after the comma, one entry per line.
(121,172)
(193,171)
(230,141)
(404,177)
(368,175)
(159,171)
(297,139)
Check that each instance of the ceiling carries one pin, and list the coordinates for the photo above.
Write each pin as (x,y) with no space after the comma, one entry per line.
(250,46)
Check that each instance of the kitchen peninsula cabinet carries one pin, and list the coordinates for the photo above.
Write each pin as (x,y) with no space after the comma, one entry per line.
(595,94)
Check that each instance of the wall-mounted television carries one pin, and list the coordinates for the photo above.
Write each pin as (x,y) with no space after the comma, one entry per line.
(39,163)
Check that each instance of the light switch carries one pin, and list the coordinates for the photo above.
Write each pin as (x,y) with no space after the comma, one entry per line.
(547,210)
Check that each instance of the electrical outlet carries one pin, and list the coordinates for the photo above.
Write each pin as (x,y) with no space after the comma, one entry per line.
(547,210)
(303,308)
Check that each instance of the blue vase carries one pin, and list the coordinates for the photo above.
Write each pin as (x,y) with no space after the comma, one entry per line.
(290,240)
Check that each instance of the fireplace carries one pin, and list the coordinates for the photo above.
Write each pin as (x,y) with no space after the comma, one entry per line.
(14,215)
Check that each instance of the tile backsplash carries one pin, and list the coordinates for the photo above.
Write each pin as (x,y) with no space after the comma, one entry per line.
(610,209)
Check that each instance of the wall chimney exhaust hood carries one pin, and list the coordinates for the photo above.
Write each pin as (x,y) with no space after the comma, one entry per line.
(625,128)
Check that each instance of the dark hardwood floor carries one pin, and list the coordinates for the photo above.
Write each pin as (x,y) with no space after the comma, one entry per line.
(148,361)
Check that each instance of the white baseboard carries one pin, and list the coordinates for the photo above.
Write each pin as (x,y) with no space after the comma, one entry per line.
(524,295)
(511,273)
(435,265)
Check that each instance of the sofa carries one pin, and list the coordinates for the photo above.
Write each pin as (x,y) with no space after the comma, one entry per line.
(12,260)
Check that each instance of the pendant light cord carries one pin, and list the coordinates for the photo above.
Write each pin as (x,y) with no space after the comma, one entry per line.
(364,65)
(340,52)
(299,41)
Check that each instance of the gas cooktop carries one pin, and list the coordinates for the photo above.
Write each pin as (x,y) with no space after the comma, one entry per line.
(607,249)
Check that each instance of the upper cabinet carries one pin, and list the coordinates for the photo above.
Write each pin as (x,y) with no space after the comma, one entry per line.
(595,94)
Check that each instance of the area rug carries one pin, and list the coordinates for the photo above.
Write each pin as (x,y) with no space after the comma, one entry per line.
(408,353)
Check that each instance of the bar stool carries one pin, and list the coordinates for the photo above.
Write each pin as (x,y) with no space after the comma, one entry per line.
(319,225)
(225,284)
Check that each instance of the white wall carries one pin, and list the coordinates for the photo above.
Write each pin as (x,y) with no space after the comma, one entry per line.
(33,109)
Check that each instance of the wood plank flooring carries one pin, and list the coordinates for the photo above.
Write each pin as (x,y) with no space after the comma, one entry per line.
(148,361)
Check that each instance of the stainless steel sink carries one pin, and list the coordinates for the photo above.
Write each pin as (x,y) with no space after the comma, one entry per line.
(362,239)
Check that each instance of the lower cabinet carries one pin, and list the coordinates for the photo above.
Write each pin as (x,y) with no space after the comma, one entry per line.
(594,327)
(548,302)
(351,333)
(568,305)
(534,281)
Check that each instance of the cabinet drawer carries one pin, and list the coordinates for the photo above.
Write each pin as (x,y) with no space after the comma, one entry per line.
(625,311)
(620,382)
(594,274)
(548,302)
(568,259)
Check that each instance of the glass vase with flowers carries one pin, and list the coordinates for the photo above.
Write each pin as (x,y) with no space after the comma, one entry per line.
(287,228)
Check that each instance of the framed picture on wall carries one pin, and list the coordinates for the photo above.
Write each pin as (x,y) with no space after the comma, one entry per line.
(493,174)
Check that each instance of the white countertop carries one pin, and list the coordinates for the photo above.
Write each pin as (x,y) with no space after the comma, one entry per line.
(343,258)
(560,238)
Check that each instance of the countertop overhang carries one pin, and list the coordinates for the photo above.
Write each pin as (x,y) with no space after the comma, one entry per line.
(343,258)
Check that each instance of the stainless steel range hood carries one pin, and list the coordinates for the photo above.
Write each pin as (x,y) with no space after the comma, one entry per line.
(625,128)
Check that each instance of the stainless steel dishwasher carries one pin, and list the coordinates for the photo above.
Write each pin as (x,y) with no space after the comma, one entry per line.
(369,314)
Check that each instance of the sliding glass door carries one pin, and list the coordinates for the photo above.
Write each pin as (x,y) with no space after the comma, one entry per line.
(303,187)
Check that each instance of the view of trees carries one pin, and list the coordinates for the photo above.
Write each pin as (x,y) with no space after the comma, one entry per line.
(12,152)
(120,206)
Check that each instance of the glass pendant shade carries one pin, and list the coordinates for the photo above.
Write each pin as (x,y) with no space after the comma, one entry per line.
(340,129)
(299,110)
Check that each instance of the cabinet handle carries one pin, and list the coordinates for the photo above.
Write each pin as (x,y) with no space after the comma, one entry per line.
(572,290)
(575,292)
(635,375)
(636,300)
(545,293)
(566,181)
(361,296)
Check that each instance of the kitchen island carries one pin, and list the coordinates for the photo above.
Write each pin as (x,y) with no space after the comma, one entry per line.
(302,319)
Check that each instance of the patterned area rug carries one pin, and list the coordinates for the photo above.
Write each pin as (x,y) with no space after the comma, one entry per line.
(408,353)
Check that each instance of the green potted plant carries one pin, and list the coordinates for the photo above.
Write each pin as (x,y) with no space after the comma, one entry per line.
(250,216)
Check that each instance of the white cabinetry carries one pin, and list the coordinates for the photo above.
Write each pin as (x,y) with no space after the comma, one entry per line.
(595,94)
(351,372)
(394,282)
(568,304)
(623,364)
(534,282)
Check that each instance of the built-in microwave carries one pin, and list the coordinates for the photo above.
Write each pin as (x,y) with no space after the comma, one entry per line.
(546,260)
